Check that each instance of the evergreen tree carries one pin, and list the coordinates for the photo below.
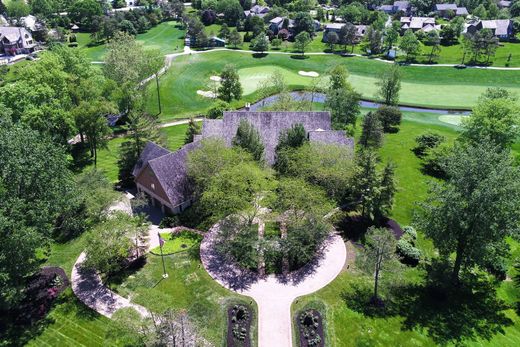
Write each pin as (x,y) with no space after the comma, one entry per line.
(372,131)
(193,129)
(248,138)
(141,128)
(385,200)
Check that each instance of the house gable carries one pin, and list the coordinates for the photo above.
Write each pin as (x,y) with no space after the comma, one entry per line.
(148,181)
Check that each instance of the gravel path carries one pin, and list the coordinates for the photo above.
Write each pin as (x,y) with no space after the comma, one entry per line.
(274,295)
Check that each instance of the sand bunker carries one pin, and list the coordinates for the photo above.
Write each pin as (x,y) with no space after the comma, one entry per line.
(308,73)
(215,78)
(206,94)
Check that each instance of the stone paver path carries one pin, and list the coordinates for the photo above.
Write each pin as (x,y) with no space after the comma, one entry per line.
(274,295)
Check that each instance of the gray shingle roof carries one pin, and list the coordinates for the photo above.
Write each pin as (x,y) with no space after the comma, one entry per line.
(331,137)
(150,151)
(171,171)
(268,124)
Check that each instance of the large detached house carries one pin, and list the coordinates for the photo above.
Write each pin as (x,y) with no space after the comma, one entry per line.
(336,27)
(501,28)
(444,10)
(398,6)
(257,11)
(425,24)
(16,40)
(162,174)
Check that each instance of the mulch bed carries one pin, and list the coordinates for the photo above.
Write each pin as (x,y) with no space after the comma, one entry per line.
(42,290)
(310,327)
(239,325)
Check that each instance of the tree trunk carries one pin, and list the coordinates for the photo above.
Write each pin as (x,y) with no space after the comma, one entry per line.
(458,261)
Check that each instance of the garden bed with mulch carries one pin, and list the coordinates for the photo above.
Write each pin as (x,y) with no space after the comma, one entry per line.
(41,291)
(310,328)
(239,325)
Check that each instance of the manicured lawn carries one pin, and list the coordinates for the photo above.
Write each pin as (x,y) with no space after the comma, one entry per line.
(177,243)
(427,86)
(167,37)
(188,287)
(70,323)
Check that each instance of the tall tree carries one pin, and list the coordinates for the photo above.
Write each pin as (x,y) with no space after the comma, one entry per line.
(230,87)
(301,41)
(473,212)
(234,38)
(347,36)
(248,138)
(495,119)
(379,256)
(342,100)
(260,43)
(35,189)
(389,85)
(410,45)
(332,39)
(372,131)
(434,41)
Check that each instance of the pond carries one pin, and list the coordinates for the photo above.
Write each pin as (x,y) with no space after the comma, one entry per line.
(320,97)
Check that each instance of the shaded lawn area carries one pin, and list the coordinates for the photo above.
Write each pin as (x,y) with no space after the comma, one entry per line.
(107,157)
(188,287)
(346,323)
(426,86)
(167,37)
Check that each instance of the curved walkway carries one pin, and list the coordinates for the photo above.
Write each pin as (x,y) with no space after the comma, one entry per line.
(87,284)
(274,294)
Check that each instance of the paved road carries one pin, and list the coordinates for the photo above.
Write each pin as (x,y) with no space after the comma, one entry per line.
(274,295)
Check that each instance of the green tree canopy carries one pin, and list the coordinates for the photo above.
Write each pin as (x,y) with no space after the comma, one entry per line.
(248,138)
(476,208)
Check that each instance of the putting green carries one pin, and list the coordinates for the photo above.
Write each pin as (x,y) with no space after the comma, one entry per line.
(452,119)
(251,77)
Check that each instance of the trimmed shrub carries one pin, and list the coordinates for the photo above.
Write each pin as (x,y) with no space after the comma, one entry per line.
(427,141)
(410,232)
(169,222)
(410,254)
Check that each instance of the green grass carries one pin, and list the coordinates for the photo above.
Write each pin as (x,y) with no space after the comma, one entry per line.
(166,37)
(177,242)
(426,86)
(70,323)
(188,287)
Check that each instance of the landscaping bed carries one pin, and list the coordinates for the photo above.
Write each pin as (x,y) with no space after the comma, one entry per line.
(310,328)
(239,325)
(177,242)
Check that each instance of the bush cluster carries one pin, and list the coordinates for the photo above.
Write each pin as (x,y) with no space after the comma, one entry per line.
(406,247)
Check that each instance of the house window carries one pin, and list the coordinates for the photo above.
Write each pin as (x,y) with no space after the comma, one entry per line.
(153,186)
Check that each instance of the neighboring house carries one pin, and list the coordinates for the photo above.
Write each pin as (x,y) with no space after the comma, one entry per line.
(501,28)
(276,24)
(162,174)
(504,4)
(16,40)
(31,22)
(336,27)
(425,24)
(398,6)
(257,11)
(445,10)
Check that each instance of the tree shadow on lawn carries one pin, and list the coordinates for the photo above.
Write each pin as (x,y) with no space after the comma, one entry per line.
(447,313)
(259,55)
(300,57)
